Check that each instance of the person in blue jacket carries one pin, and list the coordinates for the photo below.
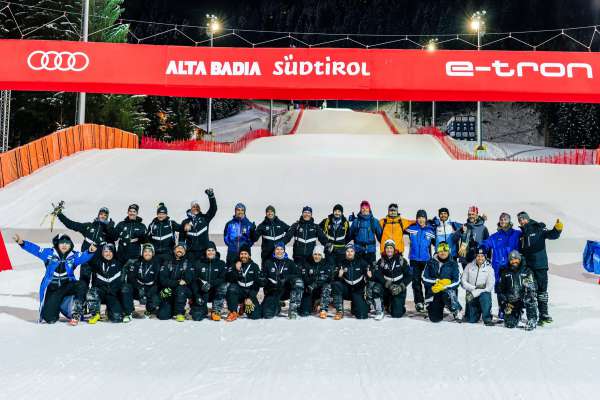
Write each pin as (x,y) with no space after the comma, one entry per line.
(501,244)
(239,231)
(422,236)
(365,231)
(446,230)
(441,278)
(59,283)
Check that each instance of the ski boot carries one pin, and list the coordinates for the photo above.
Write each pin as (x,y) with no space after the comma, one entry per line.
(232,316)
(420,307)
(489,323)
(530,325)
(379,315)
(544,320)
(338,315)
(127,319)
(323,314)
(215,316)
(74,320)
(95,318)
(180,318)
(293,315)
(457,316)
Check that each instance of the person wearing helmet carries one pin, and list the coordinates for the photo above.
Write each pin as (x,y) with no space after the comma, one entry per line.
(175,287)
(143,278)
(60,291)
(317,275)
(283,281)
(194,229)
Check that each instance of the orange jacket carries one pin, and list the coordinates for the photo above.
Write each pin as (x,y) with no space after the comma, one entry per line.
(393,228)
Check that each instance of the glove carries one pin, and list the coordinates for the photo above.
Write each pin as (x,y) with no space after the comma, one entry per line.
(209,192)
(480,286)
(558,225)
(440,285)
(508,309)
(206,287)
(310,288)
(469,297)
(397,289)
(165,293)
(462,251)
(248,306)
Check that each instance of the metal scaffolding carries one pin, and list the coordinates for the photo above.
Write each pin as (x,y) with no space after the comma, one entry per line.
(4,119)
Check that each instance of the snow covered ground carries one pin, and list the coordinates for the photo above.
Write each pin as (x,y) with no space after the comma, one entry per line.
(510,151)
(308,358)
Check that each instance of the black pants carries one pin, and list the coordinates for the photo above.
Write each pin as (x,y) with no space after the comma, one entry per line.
(321,294)
(55,295)
(118,301)
(292,290)
(541,285)
(528,302)
(147,295)
(396,304)
(447,298)
(369,258)
(416,269)
(175,304)
(343,291)
(336,257)
(216,295)
(236,295)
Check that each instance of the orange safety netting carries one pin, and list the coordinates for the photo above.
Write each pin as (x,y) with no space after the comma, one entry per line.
(26,159)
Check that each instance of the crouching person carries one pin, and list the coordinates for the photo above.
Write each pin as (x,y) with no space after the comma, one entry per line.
(282,282)
(208,285)
(350,285)
(244,278)
(59,284)
(517,292)
(175,290)
(317,275)
(143,278)
(392,274)
(478,280)
(441,278)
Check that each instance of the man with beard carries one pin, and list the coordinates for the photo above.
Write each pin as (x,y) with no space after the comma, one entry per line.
(271,230)
(518,291)
(130,232)
(337,229)
(175,288)
(208,285)
(194,229)
(305,233)
(365,231)
(474,232)
(143,278)
(245,279)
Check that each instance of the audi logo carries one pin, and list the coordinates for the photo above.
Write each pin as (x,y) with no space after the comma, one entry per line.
(58,61)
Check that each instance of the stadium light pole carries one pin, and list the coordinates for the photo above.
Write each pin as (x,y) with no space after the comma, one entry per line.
(84,36)
(213,26)
(431,47)
(477,24)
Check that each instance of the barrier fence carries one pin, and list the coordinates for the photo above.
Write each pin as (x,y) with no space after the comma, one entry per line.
(26,159)
(567,156)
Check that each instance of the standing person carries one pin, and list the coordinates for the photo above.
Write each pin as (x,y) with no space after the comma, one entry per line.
(421,238)
(473,233)
(175,289)
(283,281)
(441,278)
(317,275)
(143,278)
(393,227)
(109,286)
(350,285)
(447,231)
(392,274)
(271,230)
(194,229)
(337,229)
(478,280)
(533,249)
(208,285)
(130,233)
(97,233)
(501,243)
(517,290)
(305,233)
(244,282)
(162,234)
(239,232)
(365,231)
(59,283)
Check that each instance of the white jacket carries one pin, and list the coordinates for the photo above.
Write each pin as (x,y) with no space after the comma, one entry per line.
(474,275)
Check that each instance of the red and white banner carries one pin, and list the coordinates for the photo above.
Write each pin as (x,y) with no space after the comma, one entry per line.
(300,73)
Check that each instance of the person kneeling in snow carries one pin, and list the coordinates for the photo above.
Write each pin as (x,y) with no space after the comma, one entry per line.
(108,286)
(143,278)
(208,285)
(59,284)
(282,282)
(517,291)
(175,289)
(478,280)
(352,275)
(441,278)
(245,281)
(317,275)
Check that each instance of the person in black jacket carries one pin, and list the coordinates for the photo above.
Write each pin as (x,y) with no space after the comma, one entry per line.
(208,285)
(317,275)
(350,285)
(108,286)
(143,278)
(130,233)
(161,233)
(533,249)
(337,229)
(175,289)
(517,290)
(282,282)
(271,230)
(194,229)
(245,280)
(392,274)
(305,233)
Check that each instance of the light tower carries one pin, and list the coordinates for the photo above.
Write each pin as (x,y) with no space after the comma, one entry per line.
(477,24)
(212,26)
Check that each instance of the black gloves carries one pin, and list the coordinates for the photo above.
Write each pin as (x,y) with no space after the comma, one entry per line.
(209,192)
(206,287)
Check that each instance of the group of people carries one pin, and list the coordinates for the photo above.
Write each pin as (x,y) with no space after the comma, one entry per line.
(170,267)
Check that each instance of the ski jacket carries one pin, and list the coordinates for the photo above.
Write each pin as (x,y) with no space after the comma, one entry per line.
(196,239)
(421,239)
(365,231)
(449,232)
(305,235)
(130,233)
(248,277)
(337,232)
(394,228)
(515,283)
(436,269)
(237,233)
(271,231)
(395,270)
(107,275)
(96,232)
(174,271)
(208,271)
(162,235)
(474,275)
(279,271)
(355,272)
(533,244)
(319,273)
(501,244)
(143,273)
(476,233)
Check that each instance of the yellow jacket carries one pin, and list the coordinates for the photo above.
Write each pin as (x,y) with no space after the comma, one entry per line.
(393,228)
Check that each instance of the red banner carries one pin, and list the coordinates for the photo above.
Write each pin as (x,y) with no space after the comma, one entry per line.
(300,73)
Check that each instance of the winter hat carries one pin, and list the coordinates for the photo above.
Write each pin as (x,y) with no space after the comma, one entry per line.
(393,206)
(270,208)
(245,248)
(388,243)
(110,247)
(62,238)
(515,255)
(474,209)
(338,207)
(148,246)
(161,208)
(194,203)
(318,250)
(133,207)
(103,210)
(504,215)
(523,215)
(307,208)
(481,250)
(280,244)
(350,246)
(241,206)
(180,244)
(422,213)
(443,246)
(365,203)
(211,245)
(443,209)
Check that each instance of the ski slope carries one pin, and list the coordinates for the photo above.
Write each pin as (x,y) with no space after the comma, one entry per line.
(336,157)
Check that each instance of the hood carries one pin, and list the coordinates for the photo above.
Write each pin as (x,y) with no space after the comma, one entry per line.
(59,238)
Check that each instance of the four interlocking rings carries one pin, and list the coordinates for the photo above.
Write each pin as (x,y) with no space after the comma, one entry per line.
(58,61)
